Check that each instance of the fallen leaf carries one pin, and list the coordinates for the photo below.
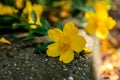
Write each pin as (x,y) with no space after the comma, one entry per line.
(3,40)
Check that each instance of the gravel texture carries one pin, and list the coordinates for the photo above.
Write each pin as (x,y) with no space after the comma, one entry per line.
(18,62)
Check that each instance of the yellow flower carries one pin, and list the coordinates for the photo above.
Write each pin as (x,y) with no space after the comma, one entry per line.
(100,4)
(28,7)
(30,20)
(7,10)
(38,9)
(65,43)
(100,23)
(19,4)
(28,10)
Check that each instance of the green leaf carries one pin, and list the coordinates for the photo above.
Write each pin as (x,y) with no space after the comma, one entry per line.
(43,47)
(82,53)
(45,24)
(39,31)
(42,2)
(60,26)
(82,5)
(19,25)
(6,21)
(34,16)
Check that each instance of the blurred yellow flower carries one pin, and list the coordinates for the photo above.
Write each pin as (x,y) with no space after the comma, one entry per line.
(7,10)
(100,23)
(100,4)
(65,7)
(28,10)
(38,9)
(65,43)
(19,4)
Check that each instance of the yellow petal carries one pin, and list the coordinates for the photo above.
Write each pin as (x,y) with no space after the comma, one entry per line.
(38,21)
(110,23)
(100,5)
(28,6)
(102,14)
(70,29)
(38,9)
(3,40)
(55,34)
(19,4)
(53,50)
(91,22)
(90,29)
(78,43)
(67,57)
(33,27)
(90,16)
(102,32)
(87,50)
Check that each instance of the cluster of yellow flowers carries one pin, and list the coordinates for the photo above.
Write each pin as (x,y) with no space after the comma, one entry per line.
(28,10)
(68,41)
(99,22)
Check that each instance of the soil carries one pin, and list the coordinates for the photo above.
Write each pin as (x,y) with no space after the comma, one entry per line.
(18,62)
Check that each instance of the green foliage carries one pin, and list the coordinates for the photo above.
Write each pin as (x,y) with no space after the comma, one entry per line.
(6,21)
(34,16)
(22,25)
(81,5)
(83,54)
(42,2)
(60,26)
(45,24)
(42,48)
(39,31)
(7,2)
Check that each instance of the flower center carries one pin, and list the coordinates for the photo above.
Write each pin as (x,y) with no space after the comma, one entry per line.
(64,43)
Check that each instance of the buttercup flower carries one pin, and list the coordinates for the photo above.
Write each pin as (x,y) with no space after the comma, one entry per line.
(28,10)
(66,42)
(38,9)
(99,23)
(7,10)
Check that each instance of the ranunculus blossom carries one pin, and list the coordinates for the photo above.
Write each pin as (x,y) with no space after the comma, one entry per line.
(99,23)
(66,42)
(38,10)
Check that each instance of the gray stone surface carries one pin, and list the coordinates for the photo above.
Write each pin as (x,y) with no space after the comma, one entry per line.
(18,62)
(94,44)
